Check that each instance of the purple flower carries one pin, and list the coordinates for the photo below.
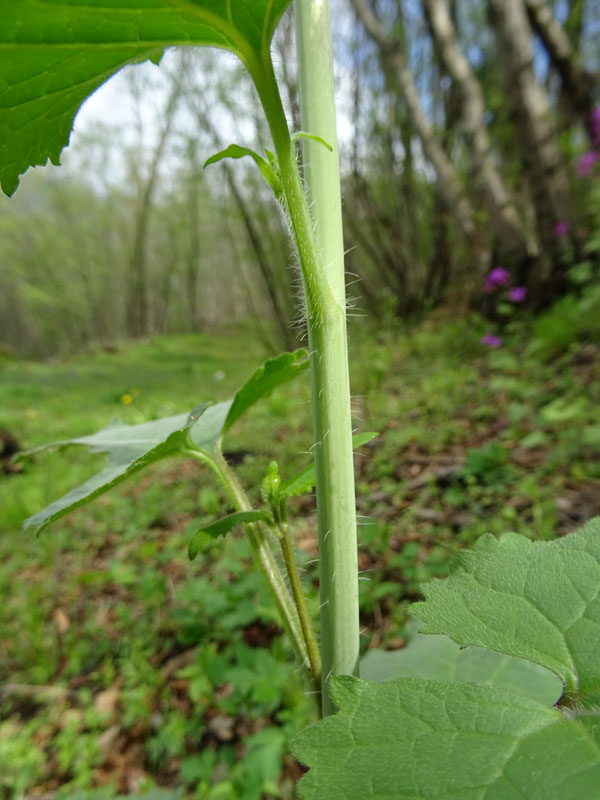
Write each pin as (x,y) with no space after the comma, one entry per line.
(561,228)
(491,340)
(497,277)
(595,126)
(586,162)
(517,294)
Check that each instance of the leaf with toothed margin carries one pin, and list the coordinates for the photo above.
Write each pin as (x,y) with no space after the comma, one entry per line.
(534,600)
(411,739)
(202,538)
(54,54)
(131,448)
(424,739)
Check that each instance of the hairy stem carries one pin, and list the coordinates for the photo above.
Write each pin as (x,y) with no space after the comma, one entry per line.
(321,256)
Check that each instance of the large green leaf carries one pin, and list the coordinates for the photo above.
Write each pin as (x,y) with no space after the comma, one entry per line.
(439,658)
(411,739)
(130,448)
(534,600)
(55,53)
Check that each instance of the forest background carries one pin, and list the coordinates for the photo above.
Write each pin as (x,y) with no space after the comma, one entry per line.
(469,142)
(135,283)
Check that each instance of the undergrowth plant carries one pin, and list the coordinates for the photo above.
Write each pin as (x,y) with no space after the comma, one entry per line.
(515,714)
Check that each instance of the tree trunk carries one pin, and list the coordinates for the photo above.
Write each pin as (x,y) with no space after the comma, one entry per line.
(502,213)
(137,295)
(543,163)
(397,71)
(577,84)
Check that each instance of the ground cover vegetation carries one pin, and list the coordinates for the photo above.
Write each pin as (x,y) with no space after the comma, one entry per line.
(516,713)
(126,665)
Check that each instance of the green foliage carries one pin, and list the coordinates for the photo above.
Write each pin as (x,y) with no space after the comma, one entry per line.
(439,658)
(208,534)
(571,319)
(486,464)
(54,56)
(412,738)
(131,448)
(268,167)
(532,600)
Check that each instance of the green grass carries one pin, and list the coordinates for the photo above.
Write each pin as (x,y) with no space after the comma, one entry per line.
(170,673)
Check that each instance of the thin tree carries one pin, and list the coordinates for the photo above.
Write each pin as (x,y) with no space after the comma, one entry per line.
(577,83)
(398,73)
(502,212)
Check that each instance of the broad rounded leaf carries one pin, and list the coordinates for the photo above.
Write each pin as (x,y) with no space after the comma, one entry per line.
(54,54)
(205,536)
(439,658)
(411,739)
(534,600)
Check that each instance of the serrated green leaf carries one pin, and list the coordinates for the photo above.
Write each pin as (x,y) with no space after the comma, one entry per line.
(439,658)
(306,479)
(411,739)
(534,600)
(269,169)
(54,54)
(313,136)
(273,373)
(130,448)
(205,536)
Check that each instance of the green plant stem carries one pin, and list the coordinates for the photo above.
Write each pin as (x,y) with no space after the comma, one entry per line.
(310,639)
(321,262)
(263,552)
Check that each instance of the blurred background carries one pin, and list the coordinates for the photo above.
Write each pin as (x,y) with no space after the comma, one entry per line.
(134,283)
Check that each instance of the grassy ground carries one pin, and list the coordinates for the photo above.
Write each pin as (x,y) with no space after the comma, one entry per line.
(123,666)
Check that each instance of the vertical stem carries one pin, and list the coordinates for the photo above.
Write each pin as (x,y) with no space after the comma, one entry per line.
(321,253)
(312,647)
(330,379)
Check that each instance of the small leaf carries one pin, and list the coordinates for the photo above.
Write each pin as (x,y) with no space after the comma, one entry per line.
(306,479)
(205,536)
(269,169)
(303,135)
(273,373)
(411,739)
(534,600)
(439,658)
